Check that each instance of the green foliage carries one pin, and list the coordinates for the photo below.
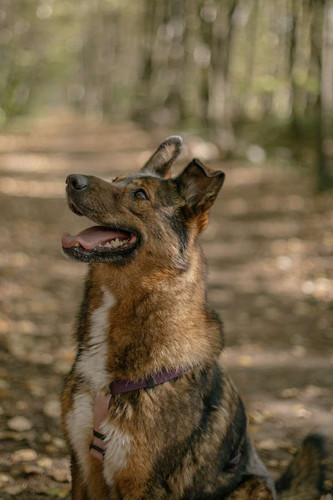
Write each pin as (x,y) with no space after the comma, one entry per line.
(203,63)
(117,57)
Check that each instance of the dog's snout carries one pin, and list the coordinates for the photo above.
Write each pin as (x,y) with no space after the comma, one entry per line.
(77,182)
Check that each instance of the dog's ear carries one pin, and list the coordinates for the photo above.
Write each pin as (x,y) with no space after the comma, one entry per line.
(164,156)
(199,187)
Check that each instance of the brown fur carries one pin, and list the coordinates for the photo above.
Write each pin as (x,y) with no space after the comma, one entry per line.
(253,487)
(175,440)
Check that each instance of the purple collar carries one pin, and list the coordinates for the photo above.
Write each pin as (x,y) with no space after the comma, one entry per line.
(121,386)
(102,403)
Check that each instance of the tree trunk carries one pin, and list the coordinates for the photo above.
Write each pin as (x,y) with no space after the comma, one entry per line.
(321,50)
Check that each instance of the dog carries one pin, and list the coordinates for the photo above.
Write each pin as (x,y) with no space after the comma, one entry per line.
(147,410)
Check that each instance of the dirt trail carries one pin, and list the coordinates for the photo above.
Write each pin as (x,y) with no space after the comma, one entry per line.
(269,250)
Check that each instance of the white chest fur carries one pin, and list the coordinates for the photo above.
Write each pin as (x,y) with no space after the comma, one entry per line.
(92,362)
(80,429)
(116,452)
(79,423)
(80,420)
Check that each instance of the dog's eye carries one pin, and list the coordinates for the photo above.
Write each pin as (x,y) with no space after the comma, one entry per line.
(140,194)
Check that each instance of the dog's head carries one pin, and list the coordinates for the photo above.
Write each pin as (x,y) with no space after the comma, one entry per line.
(147,213)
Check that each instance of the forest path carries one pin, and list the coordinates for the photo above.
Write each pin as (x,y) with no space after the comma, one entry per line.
(269,251)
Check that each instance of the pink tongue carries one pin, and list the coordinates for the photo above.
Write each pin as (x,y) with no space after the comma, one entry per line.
(91,237)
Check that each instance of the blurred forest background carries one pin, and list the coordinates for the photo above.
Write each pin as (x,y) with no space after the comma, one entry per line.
(92,87)
(258,69)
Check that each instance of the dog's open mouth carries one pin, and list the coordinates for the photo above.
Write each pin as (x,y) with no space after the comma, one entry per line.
(99,238)
(98,243)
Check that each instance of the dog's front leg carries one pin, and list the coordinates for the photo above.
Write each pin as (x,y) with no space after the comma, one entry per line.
(79,491)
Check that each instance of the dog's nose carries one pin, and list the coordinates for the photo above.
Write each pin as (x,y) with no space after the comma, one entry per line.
(77,182)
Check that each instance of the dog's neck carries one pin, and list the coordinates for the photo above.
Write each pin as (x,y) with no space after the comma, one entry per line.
(152,319)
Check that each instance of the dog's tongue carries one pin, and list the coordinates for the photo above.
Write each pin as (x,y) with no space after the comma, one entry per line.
(91,237)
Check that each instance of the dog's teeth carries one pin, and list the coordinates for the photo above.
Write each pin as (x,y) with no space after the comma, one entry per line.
(76,244)
(114,243)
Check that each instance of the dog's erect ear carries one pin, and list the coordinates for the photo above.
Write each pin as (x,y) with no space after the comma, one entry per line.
(199,185)
(164,156)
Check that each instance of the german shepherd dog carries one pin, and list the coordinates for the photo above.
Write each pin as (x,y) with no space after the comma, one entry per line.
(148,410)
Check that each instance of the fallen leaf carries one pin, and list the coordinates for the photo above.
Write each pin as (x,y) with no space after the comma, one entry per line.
(22,405)
(4,478)
(52,409)
(313,391)
(4,384)
(245,360)
(291,392)
(24,455)
(45,462)
(58,492)
(32,469)
(19,424)
(268,445)
(59,443)
(15,489)
(61,475)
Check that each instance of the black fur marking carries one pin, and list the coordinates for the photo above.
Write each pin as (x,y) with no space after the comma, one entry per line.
(177,224)
(173,455)
(234,438)
(83,311)
(213,398)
